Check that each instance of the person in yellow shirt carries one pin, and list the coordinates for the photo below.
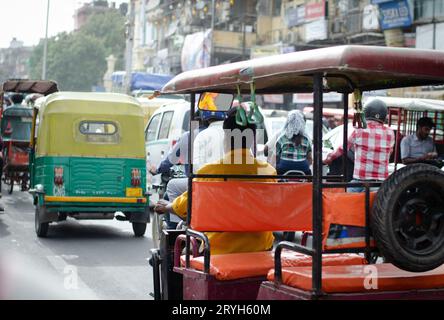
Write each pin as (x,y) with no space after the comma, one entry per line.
(238,160)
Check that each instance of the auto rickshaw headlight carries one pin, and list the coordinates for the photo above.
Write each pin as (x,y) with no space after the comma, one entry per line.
(39,188)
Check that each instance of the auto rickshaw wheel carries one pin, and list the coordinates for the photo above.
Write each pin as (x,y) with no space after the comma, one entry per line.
(139,228)
(41,228)
(11,186)
(408,218)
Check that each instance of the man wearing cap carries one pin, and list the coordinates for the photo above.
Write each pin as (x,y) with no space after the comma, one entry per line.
(372,146)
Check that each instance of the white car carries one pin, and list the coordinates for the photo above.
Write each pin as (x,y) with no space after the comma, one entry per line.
(163,130)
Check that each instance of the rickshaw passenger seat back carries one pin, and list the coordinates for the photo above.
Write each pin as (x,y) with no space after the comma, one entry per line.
(238,206)
(245,206)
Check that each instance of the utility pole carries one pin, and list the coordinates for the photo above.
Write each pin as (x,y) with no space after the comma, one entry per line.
(129,46)
(213,15)
(45,45)
(434,25)
(244,39)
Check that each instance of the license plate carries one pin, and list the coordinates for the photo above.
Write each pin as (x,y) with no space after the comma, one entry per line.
(133,192)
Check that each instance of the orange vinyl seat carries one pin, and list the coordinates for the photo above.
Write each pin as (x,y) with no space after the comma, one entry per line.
(348,278)
(257,264)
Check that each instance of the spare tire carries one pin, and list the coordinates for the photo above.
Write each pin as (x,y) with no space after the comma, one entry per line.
(407,218)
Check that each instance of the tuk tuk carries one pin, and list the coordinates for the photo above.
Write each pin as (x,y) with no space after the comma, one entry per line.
(15,129)
(16,135)
(403,113)
(403,221)
(88,160)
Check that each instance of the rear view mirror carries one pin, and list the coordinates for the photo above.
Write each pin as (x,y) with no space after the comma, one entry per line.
(212,101)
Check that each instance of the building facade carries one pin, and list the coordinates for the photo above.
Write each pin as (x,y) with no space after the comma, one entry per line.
(14,61)
(172,36)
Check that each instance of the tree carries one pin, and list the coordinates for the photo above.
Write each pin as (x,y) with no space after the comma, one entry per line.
(109,29)
(77,60)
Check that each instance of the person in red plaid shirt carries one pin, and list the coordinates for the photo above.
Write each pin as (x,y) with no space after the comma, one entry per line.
(372,147)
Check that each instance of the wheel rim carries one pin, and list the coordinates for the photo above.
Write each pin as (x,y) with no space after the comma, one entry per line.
(419,220)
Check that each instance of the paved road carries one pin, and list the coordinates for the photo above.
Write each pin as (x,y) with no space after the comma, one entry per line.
(78,260)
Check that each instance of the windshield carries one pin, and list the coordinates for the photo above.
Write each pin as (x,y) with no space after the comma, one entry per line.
(16,128)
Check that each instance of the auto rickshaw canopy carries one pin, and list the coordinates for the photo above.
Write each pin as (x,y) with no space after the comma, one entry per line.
(30,86)
(345,68)
(412,104)
(66,118)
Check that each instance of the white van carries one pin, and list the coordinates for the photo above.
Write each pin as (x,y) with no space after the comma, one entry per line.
(150,105)
(163,130)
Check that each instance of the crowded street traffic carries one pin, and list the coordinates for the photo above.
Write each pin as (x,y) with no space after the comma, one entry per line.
(223,151)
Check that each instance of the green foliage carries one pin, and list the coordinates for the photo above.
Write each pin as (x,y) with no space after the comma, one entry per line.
(109,28)
(77,60)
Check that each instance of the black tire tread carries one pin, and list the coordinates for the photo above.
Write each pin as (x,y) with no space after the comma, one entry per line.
(383,233)
(42,229)
(139,229)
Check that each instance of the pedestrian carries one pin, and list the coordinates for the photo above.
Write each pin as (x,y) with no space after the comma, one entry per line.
(292,149)
(372,147)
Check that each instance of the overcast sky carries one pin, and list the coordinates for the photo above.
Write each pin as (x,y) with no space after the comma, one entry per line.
(26,19)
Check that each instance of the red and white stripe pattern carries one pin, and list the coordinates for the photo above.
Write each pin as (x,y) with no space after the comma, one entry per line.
(372,146)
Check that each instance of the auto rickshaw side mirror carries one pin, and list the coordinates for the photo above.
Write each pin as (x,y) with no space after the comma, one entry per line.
(213,101)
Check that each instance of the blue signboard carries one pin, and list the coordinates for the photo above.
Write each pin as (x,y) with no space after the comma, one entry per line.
(395,14)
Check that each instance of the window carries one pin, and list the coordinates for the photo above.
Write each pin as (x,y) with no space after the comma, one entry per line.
(186,122)
(98,128)
(165,125)
(277,7)
(354,21)
(150,134)
(98,132)
(353,4)
(426,9)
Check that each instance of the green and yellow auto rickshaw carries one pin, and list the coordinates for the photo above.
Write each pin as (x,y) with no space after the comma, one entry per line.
(88,160)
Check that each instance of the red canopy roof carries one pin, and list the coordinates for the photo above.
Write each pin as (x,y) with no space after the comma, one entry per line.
(30,86)
(344,67)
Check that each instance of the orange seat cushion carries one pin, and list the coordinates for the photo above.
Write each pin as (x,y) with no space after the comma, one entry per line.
(255,264)
(362,278)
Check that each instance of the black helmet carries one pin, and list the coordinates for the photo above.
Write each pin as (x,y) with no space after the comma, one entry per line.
(375,110)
